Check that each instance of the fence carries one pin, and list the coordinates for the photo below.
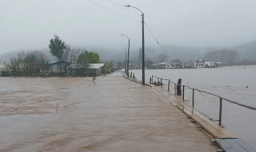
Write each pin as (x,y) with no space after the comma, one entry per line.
(177,90)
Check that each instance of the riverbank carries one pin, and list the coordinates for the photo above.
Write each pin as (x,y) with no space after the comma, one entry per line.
(77,114)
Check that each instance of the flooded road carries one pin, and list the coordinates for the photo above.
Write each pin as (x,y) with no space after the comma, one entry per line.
(236,83)
(77,114)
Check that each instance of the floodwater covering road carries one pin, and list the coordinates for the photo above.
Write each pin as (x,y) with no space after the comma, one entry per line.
(236,83)
(77,114)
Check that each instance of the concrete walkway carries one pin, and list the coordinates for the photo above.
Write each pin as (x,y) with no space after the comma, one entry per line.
(111,114)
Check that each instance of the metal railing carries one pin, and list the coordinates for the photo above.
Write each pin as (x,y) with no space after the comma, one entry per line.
(193,94)
(130,75)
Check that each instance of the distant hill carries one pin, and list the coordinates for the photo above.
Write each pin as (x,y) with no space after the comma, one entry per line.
(105,54)
(6,56)
(247,50)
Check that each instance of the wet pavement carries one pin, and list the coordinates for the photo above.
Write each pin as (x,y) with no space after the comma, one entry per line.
(77,114)
(236,83)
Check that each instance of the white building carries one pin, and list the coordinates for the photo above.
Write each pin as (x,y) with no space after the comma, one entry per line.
(218,64)
(201,63)
(188,65)
(167,65)
(96,65)
(209,64)
(164,65)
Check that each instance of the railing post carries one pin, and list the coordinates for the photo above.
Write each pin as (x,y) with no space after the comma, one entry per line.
(193,97)
(183,93)
(161,82)
(179,87)
(150,80)
(168,85)
(220,112)
(175,89)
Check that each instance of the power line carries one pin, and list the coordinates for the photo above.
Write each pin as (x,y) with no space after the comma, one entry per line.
(135,29)
(163,49)
(112,10)
(123,7)
(157,40)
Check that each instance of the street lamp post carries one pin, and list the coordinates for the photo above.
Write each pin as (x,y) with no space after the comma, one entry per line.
(143,45)
(125,61)
(128,60)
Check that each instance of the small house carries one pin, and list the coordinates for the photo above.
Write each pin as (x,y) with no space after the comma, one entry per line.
(209,64)
(175,65)
(94,69)
(58,67)
(188,65)
(201,63)
(164,65)
(218,64)
(153,66)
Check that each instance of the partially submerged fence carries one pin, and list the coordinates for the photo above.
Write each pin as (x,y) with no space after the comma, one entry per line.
(179,92)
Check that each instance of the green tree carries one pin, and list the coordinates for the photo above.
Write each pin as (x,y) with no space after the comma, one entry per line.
(87,57)
(57,47)
(94,57)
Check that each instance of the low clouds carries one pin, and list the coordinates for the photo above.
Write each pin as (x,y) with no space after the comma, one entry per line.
(29,24)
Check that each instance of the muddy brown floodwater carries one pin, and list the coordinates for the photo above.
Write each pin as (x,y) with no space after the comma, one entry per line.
(77,114)
(236,83)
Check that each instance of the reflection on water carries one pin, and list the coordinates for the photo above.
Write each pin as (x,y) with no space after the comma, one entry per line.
(229,82)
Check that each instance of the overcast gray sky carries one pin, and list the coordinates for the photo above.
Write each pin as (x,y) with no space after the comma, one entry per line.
(29,24)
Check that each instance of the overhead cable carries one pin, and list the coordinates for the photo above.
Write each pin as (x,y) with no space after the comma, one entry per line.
(164,50)
(112,10)
(123,7)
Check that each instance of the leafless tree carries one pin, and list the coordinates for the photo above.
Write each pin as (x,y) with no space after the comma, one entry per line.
(74,53)
(70,55)
(28,63)
(42,61)
(14,65)
(228,57)
(162,57)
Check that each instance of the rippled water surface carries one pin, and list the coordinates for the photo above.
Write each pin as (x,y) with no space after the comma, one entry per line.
(229,82)
(78,114)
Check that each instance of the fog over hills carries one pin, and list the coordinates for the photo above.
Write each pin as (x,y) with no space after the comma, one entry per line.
(185,29)
(246,51)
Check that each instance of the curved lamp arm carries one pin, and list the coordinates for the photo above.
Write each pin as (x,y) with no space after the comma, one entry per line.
(134,7)
(125,36)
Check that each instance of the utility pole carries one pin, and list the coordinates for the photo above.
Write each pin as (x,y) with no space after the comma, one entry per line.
(128,60)
(143,45)
(125,61)
(143,51)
